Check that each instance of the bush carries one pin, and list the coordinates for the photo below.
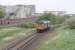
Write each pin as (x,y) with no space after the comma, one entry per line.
(71,23)
(53,18)
(27,25)
(1,13)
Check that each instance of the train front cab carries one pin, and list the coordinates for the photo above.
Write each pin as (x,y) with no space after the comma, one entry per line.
(41,27)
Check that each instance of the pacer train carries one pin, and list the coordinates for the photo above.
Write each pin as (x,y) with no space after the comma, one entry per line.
(42,26)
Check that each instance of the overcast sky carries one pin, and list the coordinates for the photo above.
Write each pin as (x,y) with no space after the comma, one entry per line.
(42,5)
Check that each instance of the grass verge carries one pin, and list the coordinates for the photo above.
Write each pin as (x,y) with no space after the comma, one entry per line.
(65,40)
(7,34)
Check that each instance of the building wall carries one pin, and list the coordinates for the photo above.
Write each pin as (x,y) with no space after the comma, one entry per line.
(19,11)
(57,13)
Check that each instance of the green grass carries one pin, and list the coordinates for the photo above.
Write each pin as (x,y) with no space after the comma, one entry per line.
(65,40)
(15,32)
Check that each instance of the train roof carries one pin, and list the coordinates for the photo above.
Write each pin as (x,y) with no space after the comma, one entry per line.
(44,21)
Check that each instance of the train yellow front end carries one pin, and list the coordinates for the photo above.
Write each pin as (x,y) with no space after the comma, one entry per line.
(41,26)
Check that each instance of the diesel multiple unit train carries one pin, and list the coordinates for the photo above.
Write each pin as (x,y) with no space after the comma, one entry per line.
(42,26)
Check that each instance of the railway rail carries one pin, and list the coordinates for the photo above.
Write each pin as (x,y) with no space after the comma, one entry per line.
(24,43)
(16,45)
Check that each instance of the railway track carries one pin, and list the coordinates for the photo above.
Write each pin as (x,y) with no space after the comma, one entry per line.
(19,44)
(24,43)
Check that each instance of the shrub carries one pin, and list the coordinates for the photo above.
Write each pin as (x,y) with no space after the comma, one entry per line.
(27,25)
(71,23)
(53,18)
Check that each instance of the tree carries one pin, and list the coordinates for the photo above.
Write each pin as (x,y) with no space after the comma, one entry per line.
(53,18)
(1,14)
